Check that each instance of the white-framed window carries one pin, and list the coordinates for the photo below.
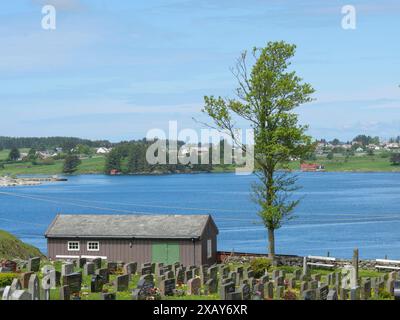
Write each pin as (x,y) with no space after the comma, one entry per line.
(209,248)
(93,246)
(73,246)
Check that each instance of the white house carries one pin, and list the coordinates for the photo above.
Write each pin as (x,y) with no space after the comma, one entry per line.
(103,150)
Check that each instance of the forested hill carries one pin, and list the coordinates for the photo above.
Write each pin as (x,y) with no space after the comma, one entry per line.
(49,142)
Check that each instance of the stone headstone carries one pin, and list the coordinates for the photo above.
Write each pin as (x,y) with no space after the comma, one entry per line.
(89,268)
(269,290)
(212,286)
(180,276)
(396,290)
(81,262)
(193,286)
(20,295)
(309,294)
(245,291)
(280,292)
(235,296)
(96,283)
(366,290)
(15,285)
(332,295)
(104,275)
(130,268)
(305,267)
(112,267)
(8,266)
(258,290)
(167,287)
(97,263)
(65,293)
(67,269)
(25,279)
(6,293)
(33,264)
(355,293)
(322,292)
(74,281)
(121,282)
(355,266)
(225,289)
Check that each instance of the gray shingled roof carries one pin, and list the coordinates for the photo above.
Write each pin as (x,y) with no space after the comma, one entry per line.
(128,226)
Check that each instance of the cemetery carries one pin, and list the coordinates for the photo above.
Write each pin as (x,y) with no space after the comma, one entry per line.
(319,278)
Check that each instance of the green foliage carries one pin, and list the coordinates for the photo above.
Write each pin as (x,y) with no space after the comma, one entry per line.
(267,95)
(395,159)
(6,279)
(71,164)
(260,265)
(330,156)
(14,154)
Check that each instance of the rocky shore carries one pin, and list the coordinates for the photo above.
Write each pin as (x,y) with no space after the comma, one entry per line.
(14,182)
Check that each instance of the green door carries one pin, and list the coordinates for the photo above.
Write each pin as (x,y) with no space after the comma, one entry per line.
(165,252)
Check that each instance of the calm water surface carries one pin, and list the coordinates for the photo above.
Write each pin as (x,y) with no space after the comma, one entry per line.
(339,211)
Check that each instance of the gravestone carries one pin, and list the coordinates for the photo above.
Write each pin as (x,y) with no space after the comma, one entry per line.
(130,268)
(121,283)
(232,275)
(96,283)
(81,262)
(89,269)
(344,294)
(33,287)
(15,285)
(225,289)
(297,274)
(74,281)
(264,278)
(188,275)
(6,293)
(67,269)
(396,290)
(390,286)
(104,274)
(305,267)
(25,279)
(355,293)
(280,292)
(97,263)
(258,290)
(193,286)
(275,274)
(8,266)
(355,266)
(146,269)
(211,286)
(180,276)
(322,292)
(112,267)
(65,293)
(245,290)
(48,282)
(309,294)
(303,286)
(167,287)
(33,264)
(144,287)
(332,295)
(213,272)
(366,290)
(235,296)
(20,295)
(279,281)
(292,283)
(269,290)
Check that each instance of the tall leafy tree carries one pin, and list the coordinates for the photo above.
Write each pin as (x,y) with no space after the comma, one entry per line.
(14,154)
(267,94)
(71,164)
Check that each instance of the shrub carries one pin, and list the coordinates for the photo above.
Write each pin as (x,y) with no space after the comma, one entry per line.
(7,278)
(259,265)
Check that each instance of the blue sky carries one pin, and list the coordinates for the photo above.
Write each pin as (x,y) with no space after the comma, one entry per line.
(115,69)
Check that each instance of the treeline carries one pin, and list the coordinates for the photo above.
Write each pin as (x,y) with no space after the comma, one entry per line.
(44,143)
(130,158)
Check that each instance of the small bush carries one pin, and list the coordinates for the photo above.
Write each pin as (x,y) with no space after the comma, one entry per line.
(7,278)
(259,265)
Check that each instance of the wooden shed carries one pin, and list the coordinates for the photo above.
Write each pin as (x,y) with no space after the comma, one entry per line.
(188,239)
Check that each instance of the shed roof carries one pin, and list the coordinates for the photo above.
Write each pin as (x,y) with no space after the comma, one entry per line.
(128,226)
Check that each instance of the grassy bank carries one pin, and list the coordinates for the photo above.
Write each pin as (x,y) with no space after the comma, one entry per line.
(96,164)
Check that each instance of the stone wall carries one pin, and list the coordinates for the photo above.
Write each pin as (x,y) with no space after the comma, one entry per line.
(294,261)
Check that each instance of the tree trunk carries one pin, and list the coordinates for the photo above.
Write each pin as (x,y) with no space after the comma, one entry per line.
(271,243)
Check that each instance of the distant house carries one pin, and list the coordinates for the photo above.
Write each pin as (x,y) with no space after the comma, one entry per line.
(188,239)
(311,167)
(103,150)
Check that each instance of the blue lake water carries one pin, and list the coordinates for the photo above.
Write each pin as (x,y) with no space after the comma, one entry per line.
(338,212)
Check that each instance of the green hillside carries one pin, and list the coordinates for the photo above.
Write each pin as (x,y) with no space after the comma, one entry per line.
(13,248)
